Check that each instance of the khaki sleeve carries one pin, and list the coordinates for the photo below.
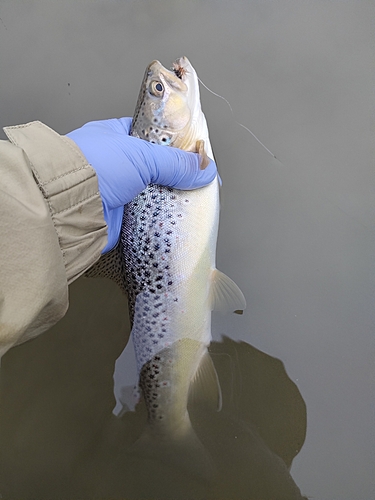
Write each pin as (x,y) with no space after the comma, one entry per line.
(52,228)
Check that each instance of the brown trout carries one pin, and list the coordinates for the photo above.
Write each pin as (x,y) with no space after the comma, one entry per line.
(168,246)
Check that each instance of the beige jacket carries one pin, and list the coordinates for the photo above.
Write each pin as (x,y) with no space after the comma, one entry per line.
(52,228)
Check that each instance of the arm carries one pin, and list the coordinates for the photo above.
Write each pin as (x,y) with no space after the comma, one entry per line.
(56,218)
(52,228)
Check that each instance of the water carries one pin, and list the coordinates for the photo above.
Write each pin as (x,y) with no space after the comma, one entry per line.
(298,239)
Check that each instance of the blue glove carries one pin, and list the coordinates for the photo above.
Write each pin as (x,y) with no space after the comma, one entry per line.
(125,165)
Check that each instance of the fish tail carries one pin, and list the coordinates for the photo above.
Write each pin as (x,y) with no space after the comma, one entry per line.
(182,452)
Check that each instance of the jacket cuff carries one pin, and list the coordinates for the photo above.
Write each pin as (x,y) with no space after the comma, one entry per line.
(70,188)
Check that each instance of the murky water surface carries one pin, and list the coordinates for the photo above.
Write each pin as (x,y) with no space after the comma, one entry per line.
(296,369)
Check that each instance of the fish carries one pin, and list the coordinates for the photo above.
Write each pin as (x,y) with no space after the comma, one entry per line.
(167,253)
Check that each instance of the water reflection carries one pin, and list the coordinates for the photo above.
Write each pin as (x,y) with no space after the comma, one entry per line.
(59,438)
(251,441)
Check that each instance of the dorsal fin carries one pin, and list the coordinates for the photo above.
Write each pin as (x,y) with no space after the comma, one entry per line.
(110,266)
(225,294)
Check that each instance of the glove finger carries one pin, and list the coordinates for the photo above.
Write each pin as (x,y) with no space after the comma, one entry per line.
(193,177)
(176,168)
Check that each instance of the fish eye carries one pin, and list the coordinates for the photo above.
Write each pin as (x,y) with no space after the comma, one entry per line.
(156,88)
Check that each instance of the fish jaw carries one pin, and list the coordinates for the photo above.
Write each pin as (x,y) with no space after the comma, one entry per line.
(198,129)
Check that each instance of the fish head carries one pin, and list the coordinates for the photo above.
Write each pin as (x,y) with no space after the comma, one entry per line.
(168,110)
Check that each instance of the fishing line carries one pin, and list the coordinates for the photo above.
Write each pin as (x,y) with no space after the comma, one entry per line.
(238,123)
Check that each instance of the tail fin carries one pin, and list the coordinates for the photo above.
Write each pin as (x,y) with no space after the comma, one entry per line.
(182,452)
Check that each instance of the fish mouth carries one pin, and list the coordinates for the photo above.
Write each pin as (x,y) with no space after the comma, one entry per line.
(179,70)
(181,67)
(186,74)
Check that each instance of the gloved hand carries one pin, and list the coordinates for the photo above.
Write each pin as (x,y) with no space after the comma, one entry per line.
(125,165)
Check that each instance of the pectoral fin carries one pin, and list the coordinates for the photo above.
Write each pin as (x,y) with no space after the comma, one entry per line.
(205,386)
(202,152)
(225,294)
